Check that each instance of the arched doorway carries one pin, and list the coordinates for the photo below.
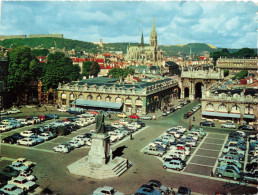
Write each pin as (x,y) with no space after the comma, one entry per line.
(198,90)
(186,92)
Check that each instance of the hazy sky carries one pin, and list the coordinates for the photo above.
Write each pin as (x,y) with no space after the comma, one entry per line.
(231,24)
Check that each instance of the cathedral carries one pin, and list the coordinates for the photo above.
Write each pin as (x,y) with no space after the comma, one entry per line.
(146,54)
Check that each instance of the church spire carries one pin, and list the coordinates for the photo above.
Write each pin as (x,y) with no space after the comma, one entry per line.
(142,41)
(153,35)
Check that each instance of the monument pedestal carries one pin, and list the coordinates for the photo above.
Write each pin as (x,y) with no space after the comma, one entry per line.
(99,163)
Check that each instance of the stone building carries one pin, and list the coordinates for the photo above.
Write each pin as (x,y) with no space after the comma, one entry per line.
(230,101)
(193,82)
(104,93)
(144,53)
(238,64)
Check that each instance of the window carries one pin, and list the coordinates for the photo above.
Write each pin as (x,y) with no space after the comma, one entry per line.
(98,98)
(249,110)
(118,99)
(89,97)
(128,100)
(80,96)
(63,96)
(108,99)
(222,108)
(209,107)
(138,101)
(235,109)
(71,96)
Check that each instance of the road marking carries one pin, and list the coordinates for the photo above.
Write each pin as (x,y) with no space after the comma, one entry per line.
(212,178)
(246,155)
(206,156)
(216,163)
(215,138)
(217,134)
(196,149)
(200,164)
(208,149)
(128,137)
(28,148)
(212,143)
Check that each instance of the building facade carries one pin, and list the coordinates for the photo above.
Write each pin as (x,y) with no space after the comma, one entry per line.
(143,53)
(194,82)
(237,103)
(135,97)
(238,64)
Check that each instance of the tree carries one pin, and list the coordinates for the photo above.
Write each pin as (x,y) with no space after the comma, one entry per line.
(59,69)
(94,69)
(23,69)
(117,72)
(86,68)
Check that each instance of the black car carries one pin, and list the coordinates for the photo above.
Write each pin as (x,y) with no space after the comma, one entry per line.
(10,172)
(207,123)
(3,180)
(251,166)
(51,116)
(109,128)
(183,190)
(141,123)
(186,116)
(246,127)
(37,131)
(17,136)
(9,140)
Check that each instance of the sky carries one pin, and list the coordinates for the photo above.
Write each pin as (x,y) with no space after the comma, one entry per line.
(227,24)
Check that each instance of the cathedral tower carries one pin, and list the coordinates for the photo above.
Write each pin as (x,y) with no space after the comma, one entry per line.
(153,35)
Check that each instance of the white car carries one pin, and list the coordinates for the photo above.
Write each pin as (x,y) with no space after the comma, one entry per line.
(123,122)
(173,155)
(169,139)
(133,127)
(181,128)
(62,109)
(61,148)
(27,141)
(4,128)
(106,190)
(119,136)
(228,125)
(80,123)
(27,133)
(13,111)
(81,142)
(116,125)
(28,176)
(45,136)
(24,161)
(74,143)
(136,124)
(22,121)
(23,183)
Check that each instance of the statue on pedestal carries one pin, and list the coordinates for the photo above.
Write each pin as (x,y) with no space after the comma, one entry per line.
(100,125)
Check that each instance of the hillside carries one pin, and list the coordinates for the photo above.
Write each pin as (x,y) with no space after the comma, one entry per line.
(68,44)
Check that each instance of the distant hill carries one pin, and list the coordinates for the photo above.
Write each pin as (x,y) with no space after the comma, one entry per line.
(61,43)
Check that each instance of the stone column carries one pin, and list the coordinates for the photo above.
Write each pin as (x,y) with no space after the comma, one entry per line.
(191,91)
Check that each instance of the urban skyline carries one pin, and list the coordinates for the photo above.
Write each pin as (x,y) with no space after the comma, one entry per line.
(222,24)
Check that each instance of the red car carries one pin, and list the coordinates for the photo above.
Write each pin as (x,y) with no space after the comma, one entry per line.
(180,147)
(134,116)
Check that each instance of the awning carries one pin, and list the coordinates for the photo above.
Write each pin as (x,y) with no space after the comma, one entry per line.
(249,116)
(220,114)
(97,104)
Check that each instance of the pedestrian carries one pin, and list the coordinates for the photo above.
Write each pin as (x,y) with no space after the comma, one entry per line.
(131,135)
(127,163)
(212,174)
(109,115)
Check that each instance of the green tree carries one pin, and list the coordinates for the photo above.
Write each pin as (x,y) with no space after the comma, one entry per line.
(117,72)
(23,68)
(94,69)
(40,52)
(59,69)
(226,72)
(86,68)
(245,52)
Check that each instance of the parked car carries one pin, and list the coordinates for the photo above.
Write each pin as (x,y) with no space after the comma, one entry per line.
(250,177)
(154,151)
(9,171)
(173,164)
(27,141)
(246,127)
(223,171)
(146,117)
(62,109)
(134,116)
(24,161)
(121,115)
(28,176)
(27,133)
(51,116)
(158,186)
(9,140)
(19,166)
(228,125)
(183,191)
(61,148)
(207,123)
(106,190)
(147,190)
(11,189)
(13,111)
(23,183)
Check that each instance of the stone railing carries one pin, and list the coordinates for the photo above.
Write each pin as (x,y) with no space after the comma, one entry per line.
(203,74)
(214,97)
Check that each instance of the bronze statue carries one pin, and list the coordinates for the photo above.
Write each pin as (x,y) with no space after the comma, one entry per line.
(100,125)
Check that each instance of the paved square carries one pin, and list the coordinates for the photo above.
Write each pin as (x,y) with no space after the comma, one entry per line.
(197,169)
(211,146)
(209,153)
(214,141)
(202,161)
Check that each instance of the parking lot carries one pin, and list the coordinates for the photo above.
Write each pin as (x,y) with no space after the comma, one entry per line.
(204,159)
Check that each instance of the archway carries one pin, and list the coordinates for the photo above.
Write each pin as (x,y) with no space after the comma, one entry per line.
(198,90)
(186,92)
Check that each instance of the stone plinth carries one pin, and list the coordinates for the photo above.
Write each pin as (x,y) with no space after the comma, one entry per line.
(99,163)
